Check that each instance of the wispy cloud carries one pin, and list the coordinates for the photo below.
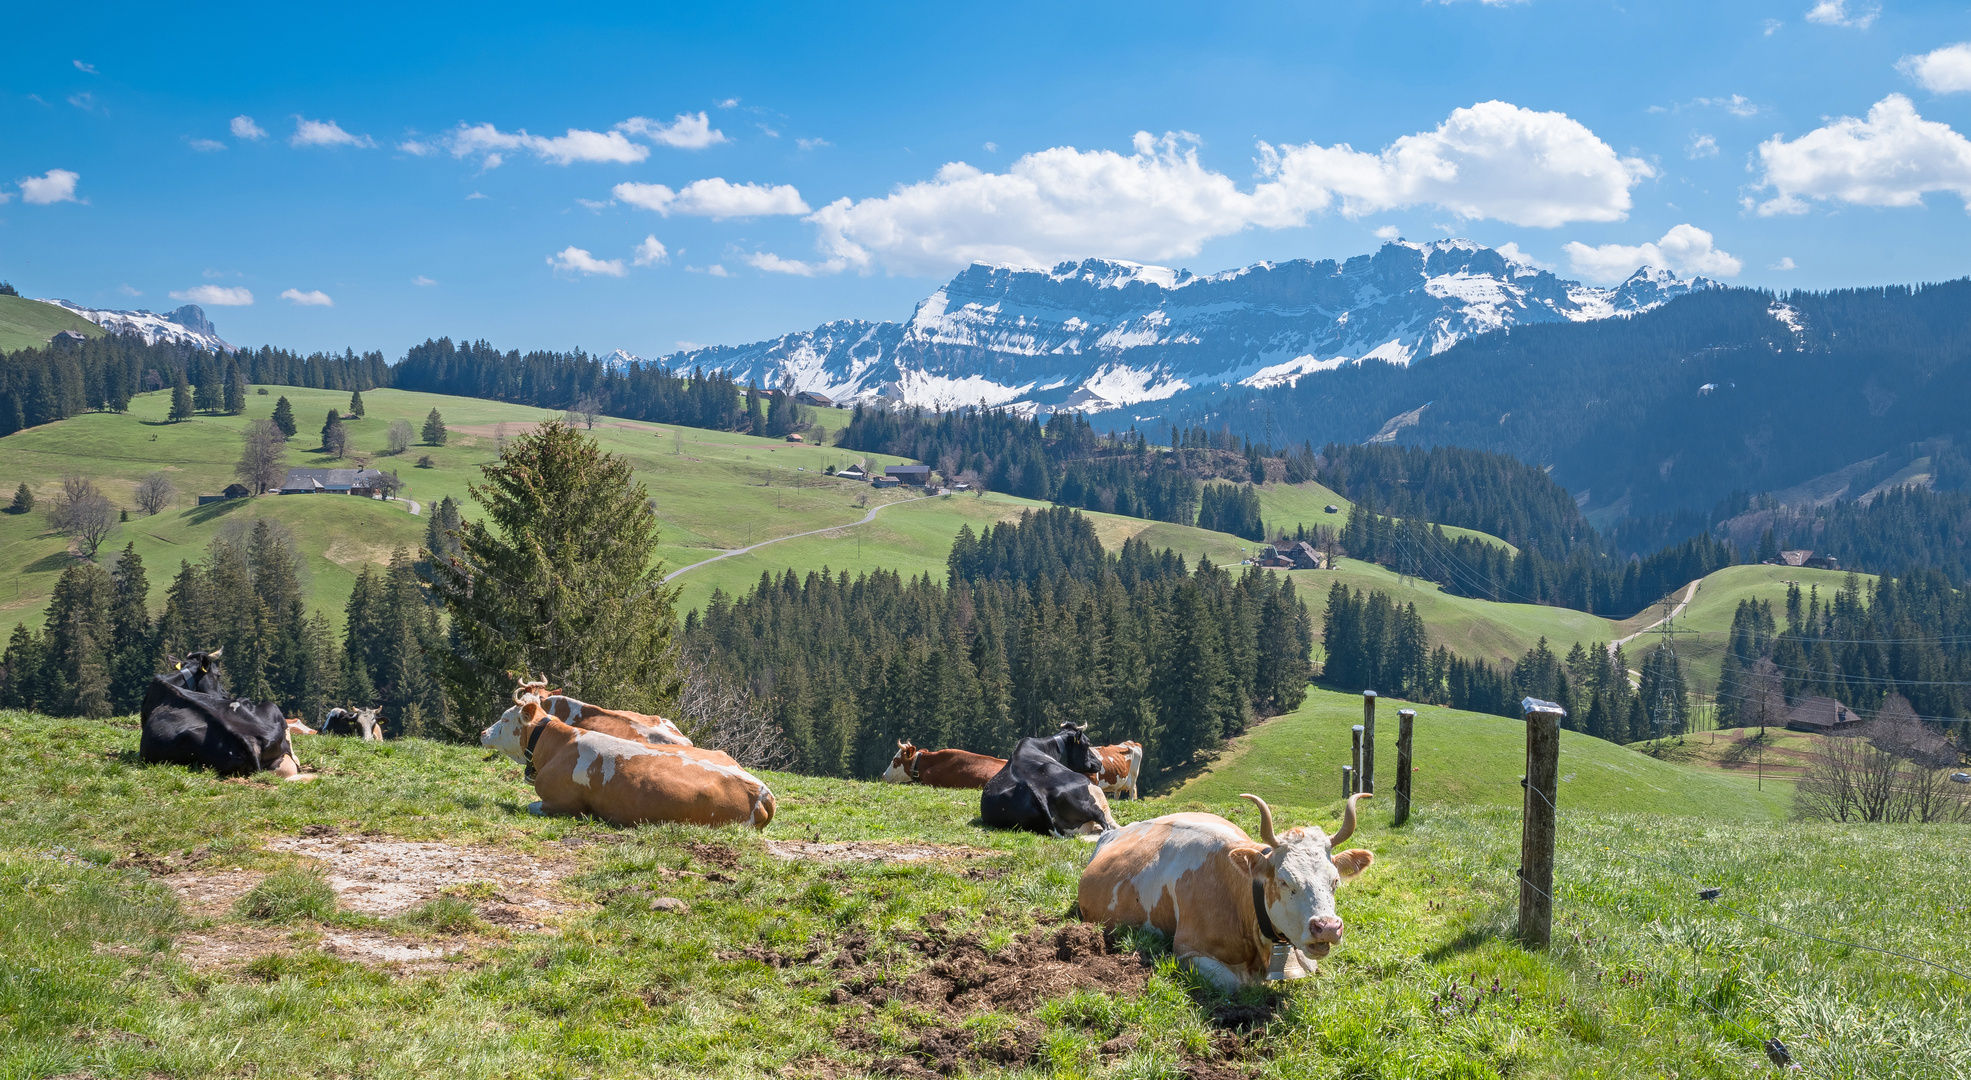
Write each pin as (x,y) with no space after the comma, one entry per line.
(1701,146)
(89,69)
(207,146)
(56,185)
(774,264)
(1836,13)
(1785,263)
(574,260)
(421,280)
(651,252)
(85,101)
(688,131)
(714,198)
(618,145)
(129,290)
(245,128)
(812,144)
(325,133)
(215,295)
(311,298)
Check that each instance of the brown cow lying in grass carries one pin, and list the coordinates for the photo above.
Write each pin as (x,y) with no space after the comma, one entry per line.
(941,768)
(626,782)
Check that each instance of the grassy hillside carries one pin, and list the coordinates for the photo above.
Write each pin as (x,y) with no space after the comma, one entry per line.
(28,324)
(1288,505)
(1467,759)
(1710,612)
(164,922)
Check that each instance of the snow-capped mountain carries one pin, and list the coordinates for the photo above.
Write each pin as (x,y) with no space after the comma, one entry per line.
(186,326)
(620,359)
(1101,334)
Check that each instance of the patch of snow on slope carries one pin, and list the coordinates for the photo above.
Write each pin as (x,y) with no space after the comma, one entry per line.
(1115,385)
(917,387)
(185,326)
(1289,373)
(1389,352)
(1788,316)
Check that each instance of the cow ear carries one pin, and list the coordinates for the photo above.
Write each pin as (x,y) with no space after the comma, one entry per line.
(1353,861)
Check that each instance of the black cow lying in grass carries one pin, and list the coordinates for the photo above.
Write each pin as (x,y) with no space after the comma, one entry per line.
(365,724)
(189,719)
(1044,787)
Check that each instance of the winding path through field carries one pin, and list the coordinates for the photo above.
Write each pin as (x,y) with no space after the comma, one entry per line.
(1690,593)
(866,519)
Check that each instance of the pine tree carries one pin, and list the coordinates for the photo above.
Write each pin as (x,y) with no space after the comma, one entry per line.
(284,417)
(78,633)
(335,438)
(23,500)
(439,543)
(132,646)
(181,397)
(580,599)
(21,668)
(356,404)
(434,432)
(208,389)
(235,395)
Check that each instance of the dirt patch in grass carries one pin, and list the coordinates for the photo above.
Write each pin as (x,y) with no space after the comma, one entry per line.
(962,979)
(378,875)
(236,945)
(868,851)
(211,894)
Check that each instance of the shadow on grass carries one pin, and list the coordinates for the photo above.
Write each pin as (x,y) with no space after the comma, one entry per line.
(199,515)
(1471,939)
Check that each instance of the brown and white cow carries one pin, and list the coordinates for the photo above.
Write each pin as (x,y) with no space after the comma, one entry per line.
(654,730)
(1122,767)
(626,782)
(1222,898)
(941,768)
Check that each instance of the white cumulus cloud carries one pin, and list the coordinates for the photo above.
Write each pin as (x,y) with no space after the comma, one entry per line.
(1836,13)
(1686,249)
(574,260)
(57,185)
(1513,255)
(311,298)
(577,145)
(1892,158)
(325,133)
(651,252)
(215,295)
(687,132)
(1493,160)
(1785,263)
(714,198)
(245,128)
(1701,146)
(1944,71)
(774,264)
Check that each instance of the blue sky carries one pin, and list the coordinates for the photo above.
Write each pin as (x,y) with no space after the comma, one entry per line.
(648,176)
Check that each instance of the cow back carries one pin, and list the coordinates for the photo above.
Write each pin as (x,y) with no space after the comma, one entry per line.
(956,768)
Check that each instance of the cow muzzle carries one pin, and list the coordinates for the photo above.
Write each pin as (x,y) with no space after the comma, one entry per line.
(1325,931)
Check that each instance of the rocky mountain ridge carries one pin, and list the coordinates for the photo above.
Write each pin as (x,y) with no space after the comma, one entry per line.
(185,326)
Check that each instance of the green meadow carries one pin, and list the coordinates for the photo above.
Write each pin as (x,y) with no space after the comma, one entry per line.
(163,922)
(28,324)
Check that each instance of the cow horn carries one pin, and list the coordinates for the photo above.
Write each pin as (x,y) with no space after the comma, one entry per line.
(1265,819)
(216,653)
(1348,819)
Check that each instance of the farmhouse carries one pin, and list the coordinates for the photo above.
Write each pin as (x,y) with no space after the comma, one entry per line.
(1809,560)
(819,401)
(364,482)
(914,475)
(853,472)
(1288,554)
(233,491)
(1823,715)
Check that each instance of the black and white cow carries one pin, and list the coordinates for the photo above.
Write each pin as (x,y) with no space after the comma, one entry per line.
(362,723)
(1044,787)
(186,724)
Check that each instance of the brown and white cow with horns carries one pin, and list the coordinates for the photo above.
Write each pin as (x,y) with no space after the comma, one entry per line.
(626,782)
(1222,898)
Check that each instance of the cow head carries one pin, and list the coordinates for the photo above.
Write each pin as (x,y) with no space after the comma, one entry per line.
(900,765)
(1075,751)
(508,734)
(198,672)
(370,724)
(1297,874)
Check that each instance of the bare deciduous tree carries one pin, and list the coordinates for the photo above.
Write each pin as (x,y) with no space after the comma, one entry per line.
(716,712)
(155,493)
(398,437)
(84,513)
(587,409)
(263,456)
(1885,773)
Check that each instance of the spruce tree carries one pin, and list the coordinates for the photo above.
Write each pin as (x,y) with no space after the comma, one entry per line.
(208,389)
(284,417)
(335,438)
(78,633)
(23,500)
(132,646)
(434,429)
(559,581)
(235,390)
(356,404)
(181,397)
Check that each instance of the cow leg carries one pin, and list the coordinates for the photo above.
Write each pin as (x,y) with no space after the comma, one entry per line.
(536,809)
(1213,971)
(290,770)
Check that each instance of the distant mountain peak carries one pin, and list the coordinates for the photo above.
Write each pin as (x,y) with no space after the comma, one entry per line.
(185,326)
(1101,334)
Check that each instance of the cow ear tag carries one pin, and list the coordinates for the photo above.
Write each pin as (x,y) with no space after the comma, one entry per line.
(1276,967)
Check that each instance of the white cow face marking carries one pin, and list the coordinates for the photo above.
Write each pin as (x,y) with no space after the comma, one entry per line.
(1302,900)
(508,735)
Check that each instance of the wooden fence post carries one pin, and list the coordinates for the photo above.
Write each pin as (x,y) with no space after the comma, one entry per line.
(1347,781)
(1369,740)
(1536,840)
(1406,719)
(1355,754)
